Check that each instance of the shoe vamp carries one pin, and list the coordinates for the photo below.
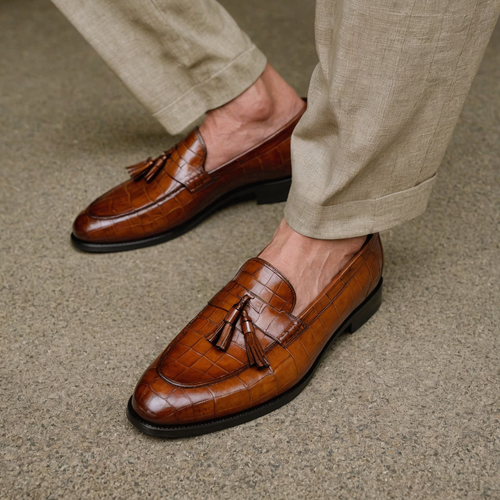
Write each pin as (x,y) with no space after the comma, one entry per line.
(135,196)
(191,360)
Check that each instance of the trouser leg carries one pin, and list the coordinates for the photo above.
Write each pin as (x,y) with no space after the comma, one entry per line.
(383,102)
(179,58)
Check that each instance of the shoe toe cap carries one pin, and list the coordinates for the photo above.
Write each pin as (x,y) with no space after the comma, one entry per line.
(160,402)
(85,227)
(97,226)
(157,401)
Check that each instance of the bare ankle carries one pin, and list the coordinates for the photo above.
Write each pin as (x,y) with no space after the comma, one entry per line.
(310,264)
(269,96)
(244,122)
(254,105)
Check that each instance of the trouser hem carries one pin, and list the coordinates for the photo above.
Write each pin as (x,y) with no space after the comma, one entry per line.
(222,87)
(356,218)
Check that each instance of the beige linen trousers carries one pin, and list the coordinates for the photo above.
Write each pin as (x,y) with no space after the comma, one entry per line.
(382,104)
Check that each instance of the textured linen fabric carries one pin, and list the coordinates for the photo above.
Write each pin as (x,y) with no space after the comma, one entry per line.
(383,100)
(179,58)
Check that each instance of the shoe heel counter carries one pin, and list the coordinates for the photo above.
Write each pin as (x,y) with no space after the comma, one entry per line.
(366,310)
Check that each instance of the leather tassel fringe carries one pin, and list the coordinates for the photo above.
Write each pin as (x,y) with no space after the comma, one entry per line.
(221,337)
(255,353)
(149,168)
(223,334)
(139,170)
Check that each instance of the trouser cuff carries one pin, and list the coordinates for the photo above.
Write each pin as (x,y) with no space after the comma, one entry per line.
(222,87)
(356,218)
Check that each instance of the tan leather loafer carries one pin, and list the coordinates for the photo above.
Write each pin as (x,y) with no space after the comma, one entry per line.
(170,195)
(246,354)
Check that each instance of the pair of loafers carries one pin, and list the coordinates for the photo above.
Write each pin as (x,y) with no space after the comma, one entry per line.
(246,353)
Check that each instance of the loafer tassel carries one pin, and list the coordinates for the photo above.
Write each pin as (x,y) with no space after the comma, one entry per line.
(255,352)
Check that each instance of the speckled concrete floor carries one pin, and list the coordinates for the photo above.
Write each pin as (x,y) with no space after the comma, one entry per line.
(406,408)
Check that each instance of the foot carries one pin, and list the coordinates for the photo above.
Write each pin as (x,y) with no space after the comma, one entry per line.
(246,353)
(170,194)
(308,263)
(246,121)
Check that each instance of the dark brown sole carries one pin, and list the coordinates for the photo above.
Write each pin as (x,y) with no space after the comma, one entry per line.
(264,193)
(357,318)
